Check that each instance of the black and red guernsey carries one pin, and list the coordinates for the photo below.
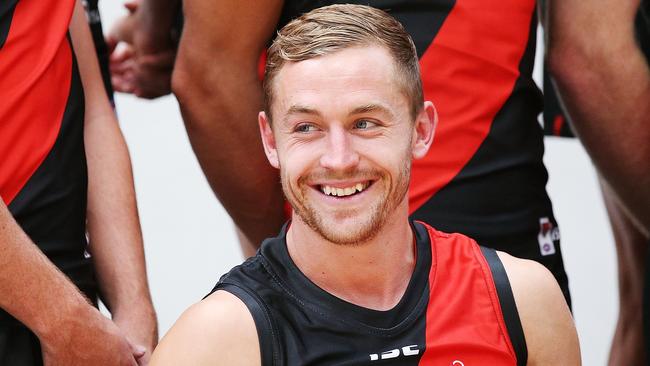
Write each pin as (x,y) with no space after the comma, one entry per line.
(43,177)
(484,175)
(458,309)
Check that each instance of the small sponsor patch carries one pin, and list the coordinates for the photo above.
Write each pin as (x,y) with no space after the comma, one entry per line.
(547,235)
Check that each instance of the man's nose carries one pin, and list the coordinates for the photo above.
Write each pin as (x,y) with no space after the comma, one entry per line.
(340,152)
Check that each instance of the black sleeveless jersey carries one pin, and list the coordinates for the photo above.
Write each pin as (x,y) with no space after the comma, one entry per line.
(458,307)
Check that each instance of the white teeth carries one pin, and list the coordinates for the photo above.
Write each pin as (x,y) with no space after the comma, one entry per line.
(342,192)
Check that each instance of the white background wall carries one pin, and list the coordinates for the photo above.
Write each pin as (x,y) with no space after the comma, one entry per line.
(190,241)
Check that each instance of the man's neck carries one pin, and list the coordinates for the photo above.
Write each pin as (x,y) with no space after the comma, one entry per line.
(374,274)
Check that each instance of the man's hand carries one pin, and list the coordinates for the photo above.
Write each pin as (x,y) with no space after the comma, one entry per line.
(86,337)
(143,63)
(140,328)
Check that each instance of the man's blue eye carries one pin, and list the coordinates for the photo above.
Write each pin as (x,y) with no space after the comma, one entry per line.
(363,124)
(305,128)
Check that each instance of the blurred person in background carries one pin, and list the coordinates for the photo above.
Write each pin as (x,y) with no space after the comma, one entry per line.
(66,187)
(598,55)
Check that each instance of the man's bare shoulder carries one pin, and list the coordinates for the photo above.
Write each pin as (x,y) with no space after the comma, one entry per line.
(550,333)
(216,331)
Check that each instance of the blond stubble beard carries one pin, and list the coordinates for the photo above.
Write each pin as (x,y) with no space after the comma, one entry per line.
(367,230)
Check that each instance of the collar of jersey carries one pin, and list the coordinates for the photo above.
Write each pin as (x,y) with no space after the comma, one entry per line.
(301,289)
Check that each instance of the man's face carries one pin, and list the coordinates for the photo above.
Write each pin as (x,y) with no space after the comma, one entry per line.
(343,140)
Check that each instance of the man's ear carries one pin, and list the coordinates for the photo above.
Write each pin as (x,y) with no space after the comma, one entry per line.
(424,129)
(268,140)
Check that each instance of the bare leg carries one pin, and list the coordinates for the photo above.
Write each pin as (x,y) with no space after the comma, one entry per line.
(632,247)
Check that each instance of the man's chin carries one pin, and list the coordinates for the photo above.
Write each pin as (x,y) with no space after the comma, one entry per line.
(344,227)
(347,232)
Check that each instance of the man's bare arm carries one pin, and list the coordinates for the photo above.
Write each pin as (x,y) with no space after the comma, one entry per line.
(113,224)
(550,333)
(216,331)
(36,293)
(216,83)
(604,82)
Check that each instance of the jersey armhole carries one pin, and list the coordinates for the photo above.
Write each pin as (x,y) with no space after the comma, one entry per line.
(508,305)
(266,334)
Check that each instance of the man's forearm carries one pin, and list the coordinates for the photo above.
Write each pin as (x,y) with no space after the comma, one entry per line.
(114,230)
(216,83)
(113,224)
(604,81)
(32,289)
(112,221)
(221,126)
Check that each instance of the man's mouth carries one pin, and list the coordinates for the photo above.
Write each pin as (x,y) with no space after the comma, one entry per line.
(344,191)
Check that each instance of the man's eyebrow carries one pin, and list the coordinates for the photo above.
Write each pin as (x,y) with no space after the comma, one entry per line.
(301,109)
(366,108)
(371,107)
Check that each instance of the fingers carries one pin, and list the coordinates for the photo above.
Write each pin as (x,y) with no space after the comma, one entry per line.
(131,5)
(144,360)
(123,84)
(154,88)
(111,43)
(140,354)
(138,350)
(122,30)
(153,75)
(144,75)
(122,68)
(162,61)
(121,56)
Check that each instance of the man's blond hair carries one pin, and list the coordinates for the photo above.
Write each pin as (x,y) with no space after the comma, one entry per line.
(332,28)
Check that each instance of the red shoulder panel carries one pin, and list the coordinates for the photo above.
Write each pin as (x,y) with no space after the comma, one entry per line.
(35,69)
(463,320)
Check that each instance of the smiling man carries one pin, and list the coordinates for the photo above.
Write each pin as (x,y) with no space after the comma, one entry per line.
(349,280)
